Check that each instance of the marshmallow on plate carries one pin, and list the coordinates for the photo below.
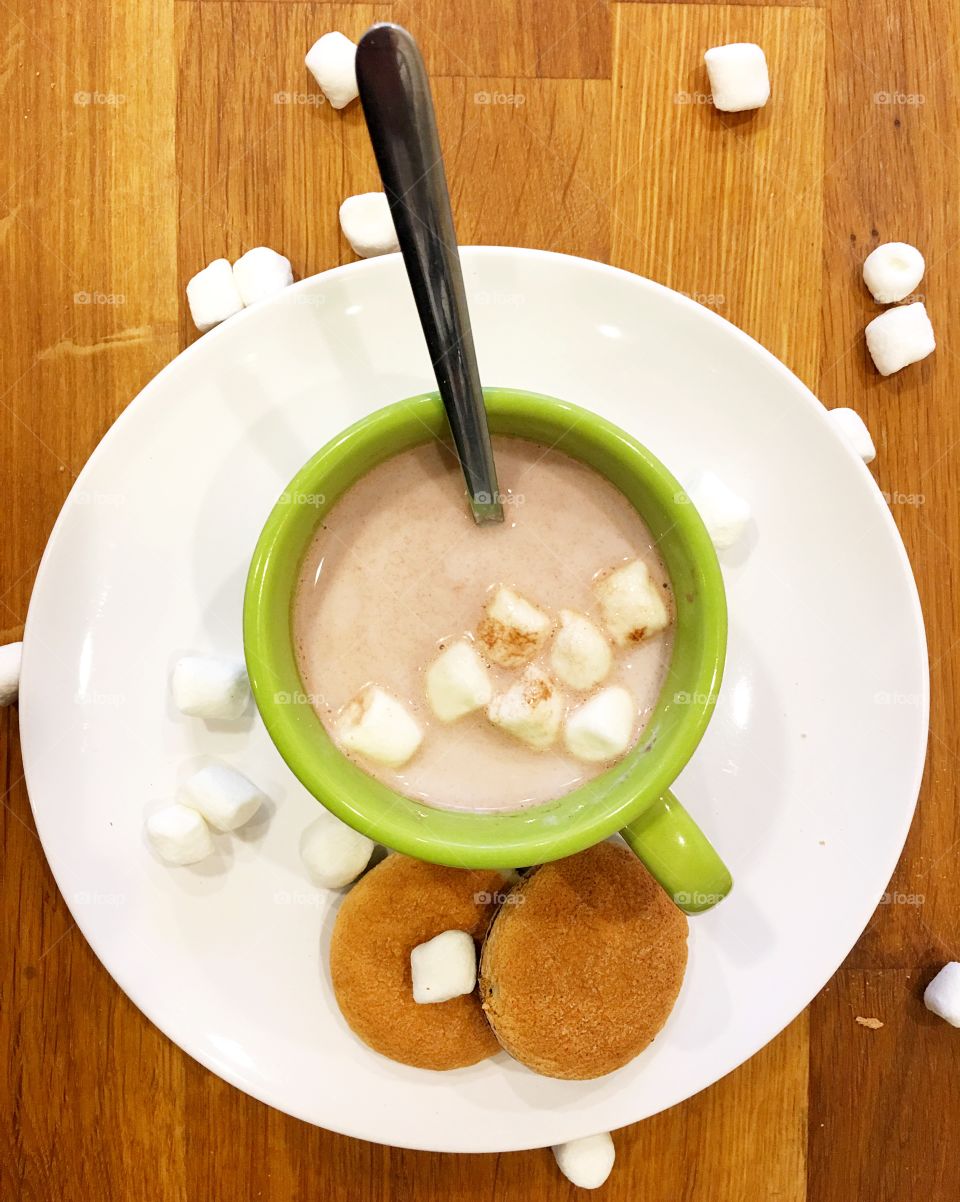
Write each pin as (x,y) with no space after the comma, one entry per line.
(332,61)
(942,995)
(444,967)
(586,1162)
(458,682)
(210,686)
(899,337)
(261,273)
(631,604)
(852,428)
(601,729)
(739,79)
(580,656)
(213,295)
(10,657)
(179,835)
(512,630)
(376,725)
(367,224)
(223,796)
(334,853)
(531,709)
(892,271)
(724,512)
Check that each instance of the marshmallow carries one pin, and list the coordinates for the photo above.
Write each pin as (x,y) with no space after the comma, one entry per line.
(602,728)
(179,835)
(580,656)
(444,967)
(632,606)
(260,274)
(332,61)
(586,1162)
(334,853)
(223,796)
(893,271)
(851,427)
(10,657)
(531,709)
(210,686)
(376,725)
(513,630)
(725,514)
(213,295)
(942,995)
(738,77)
(899,337)
(458,682)
(368,225)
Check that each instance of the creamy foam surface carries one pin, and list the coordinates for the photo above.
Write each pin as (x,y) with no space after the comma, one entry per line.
(399,570)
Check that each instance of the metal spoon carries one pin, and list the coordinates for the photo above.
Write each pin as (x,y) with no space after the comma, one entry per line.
(397,105)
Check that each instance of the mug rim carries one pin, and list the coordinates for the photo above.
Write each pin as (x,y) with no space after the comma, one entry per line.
(468,838)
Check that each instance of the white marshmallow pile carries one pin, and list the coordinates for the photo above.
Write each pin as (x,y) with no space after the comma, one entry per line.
(586,1162)
(458,682)
(580,656)
(601,728)
(376,725)
(852,428)
(261,273)
(334,853)
(180,835)
(444,967)
(531,709)
(332,61)
(631,604)
(739,79)
(219,290)
(892,271)
(225,797)
(10,656)
(942,995)
(367,224)
(724,512)
(899,337)
(513,629)
(210,686)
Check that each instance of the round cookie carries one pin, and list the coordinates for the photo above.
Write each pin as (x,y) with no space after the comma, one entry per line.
(583,964)
(398,904)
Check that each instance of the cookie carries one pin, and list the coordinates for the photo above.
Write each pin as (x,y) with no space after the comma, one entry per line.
(583,964)
(396,906)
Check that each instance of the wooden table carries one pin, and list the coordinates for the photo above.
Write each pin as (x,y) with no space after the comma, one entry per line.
(146,137)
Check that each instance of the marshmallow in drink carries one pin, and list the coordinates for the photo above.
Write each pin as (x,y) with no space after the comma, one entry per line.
(261,273)
(224,796)
(853,430)
(724,512)
(367,224)
(580,655)
(892,271)
(899,337)
(512,629)
(601,729)
(376,725)
(942,995)
(458,682)
(210,686)
(213,295)
(586,1162)
(739,79)
(531,709)
(179,835)
(10,656)
(444,967)
(631,603)
(332,61)
(334,853)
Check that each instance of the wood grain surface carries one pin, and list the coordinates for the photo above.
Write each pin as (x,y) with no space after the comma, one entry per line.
(142,140)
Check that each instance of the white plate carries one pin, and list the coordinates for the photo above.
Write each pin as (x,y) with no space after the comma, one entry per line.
(807,778)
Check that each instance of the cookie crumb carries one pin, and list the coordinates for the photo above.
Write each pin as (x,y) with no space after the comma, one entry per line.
(873,1024)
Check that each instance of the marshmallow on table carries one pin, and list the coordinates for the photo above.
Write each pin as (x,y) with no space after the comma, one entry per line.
(512,630)
(10,656)
(210,686)
(261,273)
(334,853)
(892,271)
(601,729)
(942,995)
(458,682)
(580,656)
(377,725)
(724,512)
(213,295)
(852,428)
(367,224)
(631,603)
(444,967)
(223,796)
(332,61)
(738,77)
(179,835)
(531,709)
(586,1162)
(899,337)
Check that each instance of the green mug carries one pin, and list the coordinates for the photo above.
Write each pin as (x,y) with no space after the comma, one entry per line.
(632,797)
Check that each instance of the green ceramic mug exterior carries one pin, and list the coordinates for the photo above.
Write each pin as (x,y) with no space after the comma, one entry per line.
(635,790)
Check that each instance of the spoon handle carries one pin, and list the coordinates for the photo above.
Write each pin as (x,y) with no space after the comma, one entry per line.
(398,108)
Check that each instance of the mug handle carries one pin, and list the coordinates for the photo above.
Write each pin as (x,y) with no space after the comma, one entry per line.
(678,854)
